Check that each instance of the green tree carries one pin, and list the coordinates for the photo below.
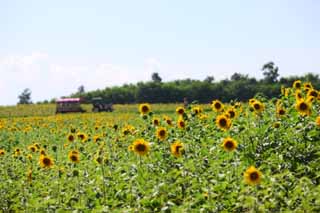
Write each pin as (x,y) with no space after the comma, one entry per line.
(156,77)
(270,72)
(25,97)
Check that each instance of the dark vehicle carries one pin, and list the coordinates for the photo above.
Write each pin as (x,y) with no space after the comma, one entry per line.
(100,106)
(66,105)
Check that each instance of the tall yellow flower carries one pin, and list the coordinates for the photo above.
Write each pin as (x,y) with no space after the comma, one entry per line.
(317,122)
(223,122)
(74,156)
(180,110)
(141,147)
(252,176)
(177,149)
(181,123)
(144,108)
(161,133)
(303,107)
(229,144)
(257,106)
(45,161)
(217,106)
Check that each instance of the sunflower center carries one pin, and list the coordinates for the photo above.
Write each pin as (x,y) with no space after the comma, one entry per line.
(181,123)
(229,145)
(141,147)
(313,93)
(298,85)
(256,106)
(232,114)
(156,122)
(303,106)
(74,158)
(46,161)
(217,105)
(71,138)
(281,112)
(162,133)
(223,122)
(254,176)
(178,148)
(145,109)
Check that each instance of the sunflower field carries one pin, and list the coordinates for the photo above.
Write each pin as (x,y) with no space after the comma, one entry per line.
(260,156)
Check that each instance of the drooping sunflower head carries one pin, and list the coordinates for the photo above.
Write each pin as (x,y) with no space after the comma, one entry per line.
(181,123)
(252,176)
(45,161)
(229,144)
(180,110)
(74,156)
(144,108)
(217,106)
(223,122)
(177,149)
(141,147)
(303,107)
(161,133)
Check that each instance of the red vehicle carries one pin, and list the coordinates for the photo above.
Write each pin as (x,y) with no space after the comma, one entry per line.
(65,105)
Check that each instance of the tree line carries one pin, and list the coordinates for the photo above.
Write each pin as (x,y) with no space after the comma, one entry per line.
(239,87)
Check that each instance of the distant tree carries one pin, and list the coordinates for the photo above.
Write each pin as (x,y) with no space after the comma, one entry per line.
(25,97)
(270,72)
(155,77)
(209,79)
(81,90)
(238,76)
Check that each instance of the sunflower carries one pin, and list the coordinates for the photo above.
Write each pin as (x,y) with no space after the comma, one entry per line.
(45,161)
(180,110)
(144,108)
(231,113)
(42,152)
(276,124)
(298,95)
(303,107)
(252,176)
(223,122)
(317,122)
(280,112)
(307,86)
(141,147)
(177,149)
(161,133)
(313,93)
(229,144)
(96,138)
(217,106)
(70,138)
(257,106)
(32,148)
(196,109)
(82,136)
(181,123)
(168,120)
(156,121)
(130,148)
(297,84)
(74,156)
(2,152)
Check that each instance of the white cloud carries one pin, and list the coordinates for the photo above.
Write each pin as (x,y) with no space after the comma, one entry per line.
(48,79)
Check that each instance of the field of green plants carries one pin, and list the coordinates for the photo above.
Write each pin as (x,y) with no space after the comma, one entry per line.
(260,156)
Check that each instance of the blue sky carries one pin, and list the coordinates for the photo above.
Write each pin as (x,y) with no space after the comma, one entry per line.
(52,47)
